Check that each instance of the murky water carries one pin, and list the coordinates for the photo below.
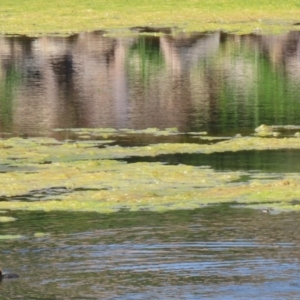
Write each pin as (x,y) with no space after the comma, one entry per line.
(276,161)
(211,253)
(218,82)
(215,82)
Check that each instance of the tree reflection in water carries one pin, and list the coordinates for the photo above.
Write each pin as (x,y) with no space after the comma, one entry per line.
(222,83)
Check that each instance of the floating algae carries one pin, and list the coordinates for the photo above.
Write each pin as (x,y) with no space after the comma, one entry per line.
(28,151)
(109,185)
(93,180)
(6,219)
(41,234)
(10,237)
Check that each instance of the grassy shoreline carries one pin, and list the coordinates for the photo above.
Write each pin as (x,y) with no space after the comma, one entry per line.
(32,17)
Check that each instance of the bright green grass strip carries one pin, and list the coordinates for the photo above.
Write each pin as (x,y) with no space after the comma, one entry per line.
(34,17)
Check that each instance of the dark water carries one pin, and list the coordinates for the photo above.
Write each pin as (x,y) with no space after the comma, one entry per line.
(211,253)
(267,161)
(221,83)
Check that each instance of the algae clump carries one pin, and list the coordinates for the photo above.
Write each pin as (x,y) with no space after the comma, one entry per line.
(44,174)
(6,219)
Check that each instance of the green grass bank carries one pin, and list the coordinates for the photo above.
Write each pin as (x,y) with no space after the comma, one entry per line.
(32,17)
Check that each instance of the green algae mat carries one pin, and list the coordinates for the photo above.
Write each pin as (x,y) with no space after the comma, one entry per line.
(91,174)
(33,17)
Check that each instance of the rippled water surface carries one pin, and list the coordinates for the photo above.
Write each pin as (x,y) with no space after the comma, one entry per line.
(211,253)
(220,83)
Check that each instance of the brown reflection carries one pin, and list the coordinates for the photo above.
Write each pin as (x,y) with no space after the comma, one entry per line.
(208,81)
(284,50)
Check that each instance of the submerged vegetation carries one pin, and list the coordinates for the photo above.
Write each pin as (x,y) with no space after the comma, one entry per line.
(32,17)
(91,175)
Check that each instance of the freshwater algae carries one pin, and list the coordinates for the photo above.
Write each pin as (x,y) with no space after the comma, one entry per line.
(10,237)
(17,152)
(41,234)
(6,219)
(82,175)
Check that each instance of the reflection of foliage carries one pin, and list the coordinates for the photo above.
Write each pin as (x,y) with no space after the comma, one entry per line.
(7,87)
(145,58)
(253,92)
(278,96)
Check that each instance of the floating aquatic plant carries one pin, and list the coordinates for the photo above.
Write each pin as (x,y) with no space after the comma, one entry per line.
(6,219)
(44,174)
(10,237)
(41,234)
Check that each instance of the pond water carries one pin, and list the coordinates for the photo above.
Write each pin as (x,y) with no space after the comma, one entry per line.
(222,84)
(212,253)
(279,161)
(217,82)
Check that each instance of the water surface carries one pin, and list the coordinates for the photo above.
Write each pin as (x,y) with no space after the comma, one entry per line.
(221,83)
(212,253)
(218,82)
(267,161)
